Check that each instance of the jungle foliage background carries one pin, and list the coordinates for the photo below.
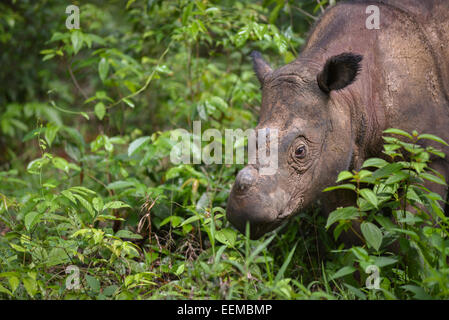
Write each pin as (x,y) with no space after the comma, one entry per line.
(85,176)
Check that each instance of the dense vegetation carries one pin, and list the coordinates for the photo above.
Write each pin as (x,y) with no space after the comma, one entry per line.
(86,184)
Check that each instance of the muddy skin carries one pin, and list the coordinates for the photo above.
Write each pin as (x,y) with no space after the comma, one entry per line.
(332,103)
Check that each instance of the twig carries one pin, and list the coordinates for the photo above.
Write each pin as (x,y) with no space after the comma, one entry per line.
(305,13)
(150,77)
(76,82)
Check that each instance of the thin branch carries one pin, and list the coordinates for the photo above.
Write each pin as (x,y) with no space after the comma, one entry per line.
(76,82)
(305,13)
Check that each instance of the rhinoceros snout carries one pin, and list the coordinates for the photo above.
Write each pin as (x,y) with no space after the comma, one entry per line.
(254,199)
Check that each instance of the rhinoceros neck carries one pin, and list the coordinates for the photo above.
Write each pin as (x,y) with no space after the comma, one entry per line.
(405,67)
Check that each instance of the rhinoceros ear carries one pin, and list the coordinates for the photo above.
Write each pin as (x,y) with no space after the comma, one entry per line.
(260,66)
(339,72)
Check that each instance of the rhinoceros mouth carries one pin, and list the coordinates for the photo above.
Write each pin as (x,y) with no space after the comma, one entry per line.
(291,209)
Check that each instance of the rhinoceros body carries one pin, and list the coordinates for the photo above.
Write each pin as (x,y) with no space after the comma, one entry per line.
(331,105)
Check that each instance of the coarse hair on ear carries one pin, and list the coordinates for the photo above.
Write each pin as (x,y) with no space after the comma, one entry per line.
(339,71)
(261,67)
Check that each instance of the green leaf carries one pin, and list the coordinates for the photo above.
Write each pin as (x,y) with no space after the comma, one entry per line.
(343,186)
(110,290)
(432,178)
(370,196)
(93,283)
(128,102)
(372,234)
(348,213)
(384,261)
(85,115)
(397,177)
(190,220)
(419,292)
(100,110)
(387,170)
(374,162)
(127,234)
(115,205)
(4,290)
(136,144)
(399,132)
(85,204)
(60,163)
(120,185)
(103,69)
(77,41)
(57,256)
(226,236)
(30,286)
(50,133)
(433,138)
(357,292)
(97,203)
(31,219)
(13,283)
(344,175)
(343,272)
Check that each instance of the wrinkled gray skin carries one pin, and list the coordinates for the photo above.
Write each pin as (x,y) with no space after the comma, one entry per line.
(330,109)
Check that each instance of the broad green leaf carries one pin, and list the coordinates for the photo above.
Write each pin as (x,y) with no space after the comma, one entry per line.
(347,213)
(387,170)
(190,220)
(370,196)
(103,69)
(57,256)
(397,177)
(226,236)
(50,133)
(419,292)
(100,110)
(372,234)
(344,175)
(399,132)
(13,283)
(30,286)
(432,178)
(374,162)
(343,272)
(31,219)
(4,290)
(115,205)
(136,144)
(77,40)
(127,234)
(93,283)
(120,185)
(97,202)
(61,164)
(433,138)
(85,204)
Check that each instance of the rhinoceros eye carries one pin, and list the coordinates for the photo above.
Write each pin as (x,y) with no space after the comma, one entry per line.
(300,152)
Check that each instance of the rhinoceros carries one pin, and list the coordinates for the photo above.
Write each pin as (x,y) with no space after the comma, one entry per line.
(331,105)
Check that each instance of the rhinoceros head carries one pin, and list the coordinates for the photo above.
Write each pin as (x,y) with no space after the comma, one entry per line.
(314,140)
